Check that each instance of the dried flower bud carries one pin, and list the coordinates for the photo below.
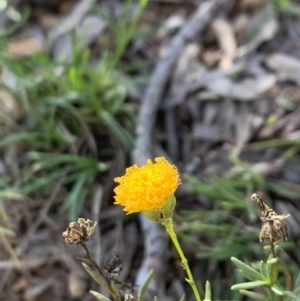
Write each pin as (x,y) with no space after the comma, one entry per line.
(79,232)
(273,227)
(113,266)
(130,297)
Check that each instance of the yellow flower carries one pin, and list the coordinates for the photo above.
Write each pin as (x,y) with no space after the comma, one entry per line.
(147,187)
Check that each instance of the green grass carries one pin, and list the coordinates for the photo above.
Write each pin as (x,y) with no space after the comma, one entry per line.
(75,116)
(288,6)
(230,227)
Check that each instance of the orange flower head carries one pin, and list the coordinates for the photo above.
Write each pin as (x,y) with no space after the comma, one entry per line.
(148,187)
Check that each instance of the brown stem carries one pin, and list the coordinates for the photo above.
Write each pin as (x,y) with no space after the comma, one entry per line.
(288,277)
(124,284)
(108,282)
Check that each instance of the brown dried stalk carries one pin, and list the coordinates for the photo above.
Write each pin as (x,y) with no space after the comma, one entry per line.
(78,233)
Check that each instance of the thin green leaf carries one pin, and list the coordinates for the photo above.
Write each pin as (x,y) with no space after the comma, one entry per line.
(51,159)
(281,190)
(272,269)
(277,290)
(247,285)
(77,205)
(33,137)
(290,294)
(124,137)
(144,286)
(223,252)
(24,17)
(11,195)
(297,284)
(41,182)
(115,98)
(263,268)
(143,3)
(75,199)
(115,291)
(247,270)
(182,298)
(254,295)
(274,143)
(99,296)
(7,232)
(94,275)
(207,292)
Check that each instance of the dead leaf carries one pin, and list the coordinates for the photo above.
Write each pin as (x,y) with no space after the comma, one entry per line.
(20,285)
(47,20)
(10,107)
(77,285)
(252,4)
(287,67)
(247,89)
(292,75)
(281,62)
(66,6)
(243,125)
(266,169)
(286,125)
(25,48)
(185,73)
(38,288)
(265,32)
(240,25)
(226,39)
(212,133)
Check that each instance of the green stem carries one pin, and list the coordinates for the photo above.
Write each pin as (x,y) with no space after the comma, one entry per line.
(169,227)
(278,298)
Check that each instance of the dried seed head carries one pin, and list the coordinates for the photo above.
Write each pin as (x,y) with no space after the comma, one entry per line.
(130,297)
(79,232)
(257,198)
(273,227)
(113,266)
